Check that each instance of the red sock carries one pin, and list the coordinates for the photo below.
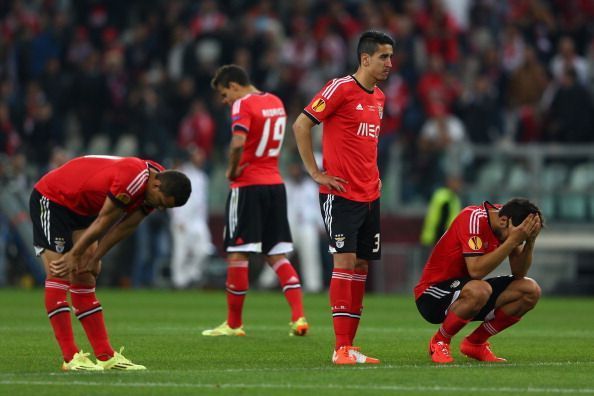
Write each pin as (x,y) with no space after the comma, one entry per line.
(237,287)
(357,293)
(58,312)
(500,322)
(340,302)
(451,325)
(289,281)
(90,314)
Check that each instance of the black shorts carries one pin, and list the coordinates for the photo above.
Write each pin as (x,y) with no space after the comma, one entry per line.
(433,304)
(256,220)
(53,224)
(352,227)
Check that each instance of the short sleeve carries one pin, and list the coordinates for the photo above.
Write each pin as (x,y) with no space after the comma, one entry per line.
(470,225)
(129,184)
(327,100)
(241,118)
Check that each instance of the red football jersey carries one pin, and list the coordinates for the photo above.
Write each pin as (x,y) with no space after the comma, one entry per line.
(262,117)
(470,234)
(82,184)
(351,116)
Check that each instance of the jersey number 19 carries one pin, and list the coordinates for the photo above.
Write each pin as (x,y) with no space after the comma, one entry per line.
(278,133)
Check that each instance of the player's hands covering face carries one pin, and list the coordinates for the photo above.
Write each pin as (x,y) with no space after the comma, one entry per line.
(536,229)
(529,228)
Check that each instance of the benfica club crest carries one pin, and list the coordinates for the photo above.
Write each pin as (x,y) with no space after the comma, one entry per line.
(339,241)
(380,110)
(60,244)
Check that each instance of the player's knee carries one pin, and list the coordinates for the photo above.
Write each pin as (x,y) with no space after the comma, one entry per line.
(478,292)
(531,292)
(84,278)
(97,270)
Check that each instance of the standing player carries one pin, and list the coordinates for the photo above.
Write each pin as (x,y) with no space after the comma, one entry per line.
(256,209)
(79,211)
(452,290)
(351,109)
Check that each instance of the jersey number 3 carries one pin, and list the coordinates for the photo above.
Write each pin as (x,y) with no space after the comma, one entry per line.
(278,133)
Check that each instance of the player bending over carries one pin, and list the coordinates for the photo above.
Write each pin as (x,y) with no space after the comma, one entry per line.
(79,211)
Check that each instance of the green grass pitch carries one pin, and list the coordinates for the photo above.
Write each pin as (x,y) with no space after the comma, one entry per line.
(550,352)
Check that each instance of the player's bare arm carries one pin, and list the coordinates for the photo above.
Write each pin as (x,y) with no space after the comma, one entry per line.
(121,231)
(235,150)
(69,262)
(302,130)
(479,267)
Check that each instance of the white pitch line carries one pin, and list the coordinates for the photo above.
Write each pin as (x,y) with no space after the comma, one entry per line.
(469,365)
(387,388)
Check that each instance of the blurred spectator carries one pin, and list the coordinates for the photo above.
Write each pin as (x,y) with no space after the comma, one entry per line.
(481,112)
(19,174)
(537,23)
(444,206)
(526,87)
(567,58)
(512,48)
(437,88)
(397,101)
(197,129)
(58,157)
(80,48)
(9,137)
(299,51)
(151,124)
(306,225)
(570,113)
(208,19)
(37,127)
(151,248)
(89,97)
(117,84)
(189,227)
(180,59)
(334,14)
(440,31)
(57,85)
(443,150)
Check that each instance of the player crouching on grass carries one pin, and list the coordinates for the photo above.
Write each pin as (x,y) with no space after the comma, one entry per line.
(79,211)
(452,290)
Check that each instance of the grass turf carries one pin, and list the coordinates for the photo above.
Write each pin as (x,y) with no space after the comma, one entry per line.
(550,352)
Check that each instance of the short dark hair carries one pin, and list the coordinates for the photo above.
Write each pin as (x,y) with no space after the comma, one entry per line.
(370,40)
(230,73)
(517,209)
(175,184)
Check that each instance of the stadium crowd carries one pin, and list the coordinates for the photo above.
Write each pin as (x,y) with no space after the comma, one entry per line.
(132,78)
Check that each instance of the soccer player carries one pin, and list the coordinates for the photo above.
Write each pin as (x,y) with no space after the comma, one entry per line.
(79,211)
(452,290)
(351,110)
(256,209)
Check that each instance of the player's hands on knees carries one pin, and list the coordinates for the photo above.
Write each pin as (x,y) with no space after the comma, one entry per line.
(90,266)
(89,263)
(526,229)
(62,266)
(332,182)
